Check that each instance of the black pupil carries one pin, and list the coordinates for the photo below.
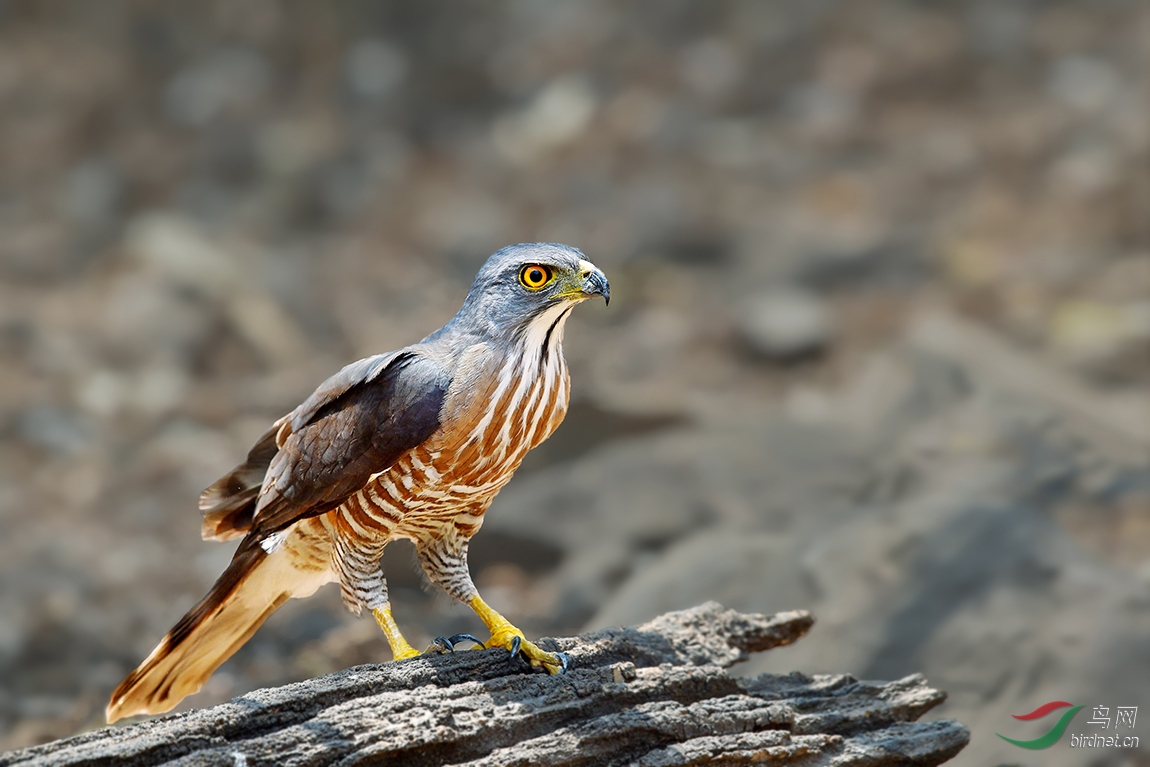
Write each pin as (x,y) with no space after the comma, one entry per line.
(535,276)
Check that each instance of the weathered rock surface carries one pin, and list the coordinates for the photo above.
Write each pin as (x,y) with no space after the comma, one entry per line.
(656,695)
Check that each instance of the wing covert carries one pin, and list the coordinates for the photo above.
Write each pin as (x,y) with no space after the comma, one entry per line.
(357,423)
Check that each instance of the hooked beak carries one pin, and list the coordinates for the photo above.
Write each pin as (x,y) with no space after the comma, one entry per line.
(594,282)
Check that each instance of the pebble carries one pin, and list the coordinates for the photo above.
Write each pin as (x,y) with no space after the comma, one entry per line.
(784,324)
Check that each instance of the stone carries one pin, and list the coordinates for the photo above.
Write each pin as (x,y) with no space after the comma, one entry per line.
(785,324)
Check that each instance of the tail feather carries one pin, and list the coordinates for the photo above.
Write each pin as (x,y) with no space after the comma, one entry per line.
(250,589)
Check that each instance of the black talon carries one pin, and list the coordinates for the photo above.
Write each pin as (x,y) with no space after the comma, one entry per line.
(455,639)
(564,660)
(442,645)
(516,643)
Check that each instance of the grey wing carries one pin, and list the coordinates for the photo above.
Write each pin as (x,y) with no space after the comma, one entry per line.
(358,373)
(357,423)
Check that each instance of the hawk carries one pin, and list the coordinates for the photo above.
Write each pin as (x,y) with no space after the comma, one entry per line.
(411,444)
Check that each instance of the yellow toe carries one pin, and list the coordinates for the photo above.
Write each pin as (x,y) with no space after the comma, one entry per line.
(504,634)
(551,662)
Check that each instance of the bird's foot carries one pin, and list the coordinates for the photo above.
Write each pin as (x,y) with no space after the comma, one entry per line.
(441,645)
(505,635)
(512,640)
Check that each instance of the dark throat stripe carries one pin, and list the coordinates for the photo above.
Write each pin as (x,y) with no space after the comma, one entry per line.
(545,350)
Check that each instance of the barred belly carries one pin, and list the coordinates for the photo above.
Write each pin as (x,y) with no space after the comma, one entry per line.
(436,494)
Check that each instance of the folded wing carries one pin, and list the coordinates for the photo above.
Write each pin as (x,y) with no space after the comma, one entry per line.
(357,423)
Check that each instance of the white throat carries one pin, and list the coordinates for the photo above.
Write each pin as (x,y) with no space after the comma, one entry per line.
(546,329)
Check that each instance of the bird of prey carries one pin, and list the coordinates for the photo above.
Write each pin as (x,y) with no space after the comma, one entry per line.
(411,444)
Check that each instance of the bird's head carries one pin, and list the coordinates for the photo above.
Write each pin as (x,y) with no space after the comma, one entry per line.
(522,285)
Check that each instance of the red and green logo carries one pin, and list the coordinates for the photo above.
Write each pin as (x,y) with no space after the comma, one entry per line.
(1055,732)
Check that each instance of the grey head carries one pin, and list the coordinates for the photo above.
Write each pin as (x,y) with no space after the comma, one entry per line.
(519,283)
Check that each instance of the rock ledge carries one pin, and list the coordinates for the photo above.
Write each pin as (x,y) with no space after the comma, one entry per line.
(653,695)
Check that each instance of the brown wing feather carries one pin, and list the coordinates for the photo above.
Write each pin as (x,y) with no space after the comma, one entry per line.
(230,503)
(359,432)
(356,423)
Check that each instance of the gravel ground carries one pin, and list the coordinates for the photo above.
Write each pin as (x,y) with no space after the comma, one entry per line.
(879,343)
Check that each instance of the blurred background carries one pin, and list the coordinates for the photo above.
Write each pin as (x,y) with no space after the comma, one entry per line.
(879,345)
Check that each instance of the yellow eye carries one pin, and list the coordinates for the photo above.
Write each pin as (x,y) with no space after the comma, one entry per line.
(535,276)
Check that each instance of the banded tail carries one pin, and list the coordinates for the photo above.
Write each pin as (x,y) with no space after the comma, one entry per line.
(250,589)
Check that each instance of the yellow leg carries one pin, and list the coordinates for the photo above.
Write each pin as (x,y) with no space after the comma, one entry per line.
(504,634)
(400,649)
